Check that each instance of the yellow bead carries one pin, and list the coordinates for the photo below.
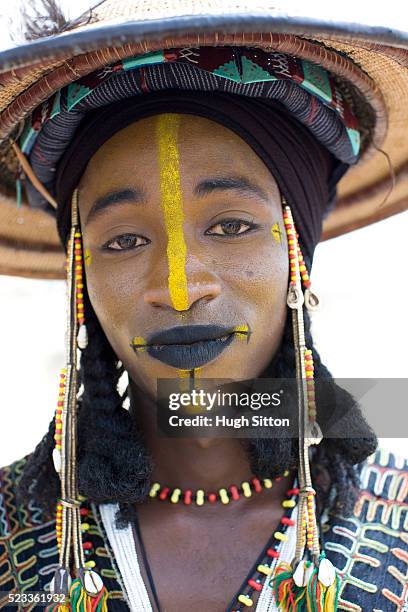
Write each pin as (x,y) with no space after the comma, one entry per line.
(246,489)
(267,483)
(247,601)
(81,498)
(223,496)
(200,497)
(154,489)
(264,569)
(90,563)
(286,473)
(175,496)
(282,537)
(288,503)
(85,526)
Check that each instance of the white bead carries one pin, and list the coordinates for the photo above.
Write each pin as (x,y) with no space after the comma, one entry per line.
(56,457)
(82,338)
(327,573)
(93,583)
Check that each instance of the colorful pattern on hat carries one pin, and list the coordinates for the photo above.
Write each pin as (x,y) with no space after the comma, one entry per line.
(307,90)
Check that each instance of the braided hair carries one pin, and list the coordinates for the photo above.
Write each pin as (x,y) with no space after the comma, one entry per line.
(113,462)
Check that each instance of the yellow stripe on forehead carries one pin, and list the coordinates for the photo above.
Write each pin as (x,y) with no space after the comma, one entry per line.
(167,130)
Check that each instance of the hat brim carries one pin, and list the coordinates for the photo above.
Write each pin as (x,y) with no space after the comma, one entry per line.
(373,59)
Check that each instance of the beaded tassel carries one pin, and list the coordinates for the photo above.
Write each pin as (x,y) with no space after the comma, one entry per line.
(86,592)
(310,582)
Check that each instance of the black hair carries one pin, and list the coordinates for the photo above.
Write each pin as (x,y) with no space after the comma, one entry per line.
(113,462)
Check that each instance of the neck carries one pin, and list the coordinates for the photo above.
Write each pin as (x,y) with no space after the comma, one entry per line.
(188,463)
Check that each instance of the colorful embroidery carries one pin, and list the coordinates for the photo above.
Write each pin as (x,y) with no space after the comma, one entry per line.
(244,66)
(370,549)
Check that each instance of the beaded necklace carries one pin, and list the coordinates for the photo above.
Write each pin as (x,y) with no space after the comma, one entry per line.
(224,495)
(261,569)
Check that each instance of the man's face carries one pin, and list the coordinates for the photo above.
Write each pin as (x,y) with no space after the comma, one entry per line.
(182,226)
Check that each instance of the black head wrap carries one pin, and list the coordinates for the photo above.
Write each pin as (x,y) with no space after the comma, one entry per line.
(304,170)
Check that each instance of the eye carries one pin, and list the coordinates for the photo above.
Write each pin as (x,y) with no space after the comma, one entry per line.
(125,242)
(231,227)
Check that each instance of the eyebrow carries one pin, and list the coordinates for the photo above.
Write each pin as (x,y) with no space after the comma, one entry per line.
(114,198)
(226,183)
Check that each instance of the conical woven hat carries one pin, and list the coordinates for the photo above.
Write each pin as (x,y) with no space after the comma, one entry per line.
(373,60)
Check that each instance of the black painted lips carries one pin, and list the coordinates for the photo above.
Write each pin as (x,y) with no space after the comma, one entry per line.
(189,346)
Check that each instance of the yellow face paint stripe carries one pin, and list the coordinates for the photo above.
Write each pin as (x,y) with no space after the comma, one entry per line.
(138,343)
(171,201)
(276,232)
(88,257)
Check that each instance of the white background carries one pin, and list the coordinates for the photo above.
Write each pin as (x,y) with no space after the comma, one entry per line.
(361,329)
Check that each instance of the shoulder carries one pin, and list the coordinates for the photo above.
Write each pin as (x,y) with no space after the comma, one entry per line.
(27,542)
(370,548)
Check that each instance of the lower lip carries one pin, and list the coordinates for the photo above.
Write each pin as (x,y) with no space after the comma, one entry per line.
(189,356)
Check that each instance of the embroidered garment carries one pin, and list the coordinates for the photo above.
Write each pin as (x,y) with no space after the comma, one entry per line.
(369,549)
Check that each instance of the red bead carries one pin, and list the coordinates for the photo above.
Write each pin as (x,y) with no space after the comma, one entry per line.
(187,497)
(87,545)
(255,585)
(257,485)
(287,521)
(272,553)
(234,492)
(291,492)
(84,512)
(212,498)
(164,492)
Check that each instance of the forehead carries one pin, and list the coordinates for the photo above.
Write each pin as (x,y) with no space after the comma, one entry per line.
(203,146)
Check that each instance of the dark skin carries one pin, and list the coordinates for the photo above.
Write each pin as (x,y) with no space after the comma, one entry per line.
(236,272)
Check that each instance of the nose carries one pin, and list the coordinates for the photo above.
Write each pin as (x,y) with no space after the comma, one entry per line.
(199,283)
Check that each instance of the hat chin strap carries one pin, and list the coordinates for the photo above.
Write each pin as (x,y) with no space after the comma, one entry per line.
(310,580)
(86,591)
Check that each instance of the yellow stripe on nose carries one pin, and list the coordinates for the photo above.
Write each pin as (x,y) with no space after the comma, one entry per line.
(172,205)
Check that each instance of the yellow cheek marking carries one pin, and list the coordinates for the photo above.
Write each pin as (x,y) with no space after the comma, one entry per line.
(88,257)
(138,343)
(172,205)
(242,332)
(276,232)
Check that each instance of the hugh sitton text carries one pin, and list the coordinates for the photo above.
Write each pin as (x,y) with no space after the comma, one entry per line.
(255,420)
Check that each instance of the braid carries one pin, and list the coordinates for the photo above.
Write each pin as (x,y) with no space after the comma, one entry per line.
(39,479)
(335,463)
(113,465)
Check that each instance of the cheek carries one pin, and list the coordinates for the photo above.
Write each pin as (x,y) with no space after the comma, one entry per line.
(260,276)
(111,294)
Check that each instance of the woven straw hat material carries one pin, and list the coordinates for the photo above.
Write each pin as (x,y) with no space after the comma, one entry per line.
(121,29)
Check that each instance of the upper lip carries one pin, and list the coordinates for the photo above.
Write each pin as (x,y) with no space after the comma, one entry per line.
(188,334)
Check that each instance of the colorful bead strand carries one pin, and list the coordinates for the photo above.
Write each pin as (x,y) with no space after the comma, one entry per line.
(309,371)
(223,495)
(295,253)
(263,569)
(82,338)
